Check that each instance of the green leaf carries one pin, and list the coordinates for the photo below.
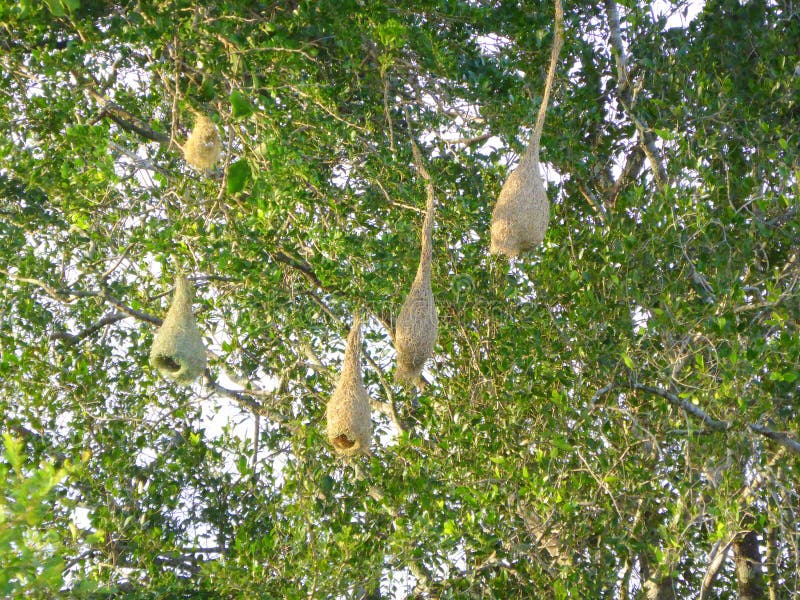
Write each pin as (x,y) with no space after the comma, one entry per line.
(240,105)
(238,174)
(13,451)
(627,360)
(450,528)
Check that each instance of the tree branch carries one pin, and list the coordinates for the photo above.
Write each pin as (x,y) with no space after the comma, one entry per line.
(690,408)
(128,121)
(245,401)
(626,97)
(633,165)
(74,338)
(718,555)
(243,398)
(307,271)
(781,437)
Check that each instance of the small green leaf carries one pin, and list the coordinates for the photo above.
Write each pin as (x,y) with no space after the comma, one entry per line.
(240,105)
(13,453)
(627,360)
(450,527)
(238,174)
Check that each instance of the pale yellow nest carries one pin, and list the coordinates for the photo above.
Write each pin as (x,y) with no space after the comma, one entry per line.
(522,212)
(348,412)
(417,324)
(178,351)
(204,146)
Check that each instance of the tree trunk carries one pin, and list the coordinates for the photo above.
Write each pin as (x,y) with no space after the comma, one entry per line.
(747,557)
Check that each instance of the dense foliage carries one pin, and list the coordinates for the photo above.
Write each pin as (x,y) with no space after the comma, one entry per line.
(614,414)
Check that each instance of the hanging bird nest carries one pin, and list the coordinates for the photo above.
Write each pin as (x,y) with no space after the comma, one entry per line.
(178,352)
(417,325)
(348,410)
(522,212)
(204,146)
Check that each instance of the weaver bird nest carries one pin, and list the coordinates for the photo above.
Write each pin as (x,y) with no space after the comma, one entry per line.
(348,410)
(178,352)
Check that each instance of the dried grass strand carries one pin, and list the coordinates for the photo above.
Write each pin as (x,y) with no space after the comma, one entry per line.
(178,351)
(349,422)
(522,212)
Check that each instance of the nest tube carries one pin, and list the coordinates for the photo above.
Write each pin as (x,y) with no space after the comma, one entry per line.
(417,325)
(204,146)
(522,212)
(178,351)
(349,422)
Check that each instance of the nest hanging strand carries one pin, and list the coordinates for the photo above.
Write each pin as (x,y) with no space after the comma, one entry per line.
(522,212)
(348,411)
(178,352)
(417,325)
(204,146)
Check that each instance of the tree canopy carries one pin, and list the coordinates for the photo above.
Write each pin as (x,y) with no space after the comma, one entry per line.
(613,414)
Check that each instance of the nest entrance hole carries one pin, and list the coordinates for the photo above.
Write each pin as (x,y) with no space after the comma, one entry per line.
(342,442)
(166,363)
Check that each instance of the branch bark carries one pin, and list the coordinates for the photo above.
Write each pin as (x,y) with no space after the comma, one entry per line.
(718,555)
(626,97)
(129,122)
(747,558)
(781,437)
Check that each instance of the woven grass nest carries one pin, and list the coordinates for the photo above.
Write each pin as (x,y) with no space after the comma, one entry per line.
(348,411)
(417,325)
(204,146)
(522,212)
(178,352)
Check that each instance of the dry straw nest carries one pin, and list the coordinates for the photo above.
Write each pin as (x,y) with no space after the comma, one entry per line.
(204,146)
(522,212)
(417,324)
(348,411)
(178,351)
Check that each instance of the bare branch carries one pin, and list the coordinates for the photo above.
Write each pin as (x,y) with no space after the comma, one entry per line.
(128,121)
(626,97)
(633,165)
(690,408)
(718,555)
(783,438)
(245,401)
(74,338)
(469,141)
